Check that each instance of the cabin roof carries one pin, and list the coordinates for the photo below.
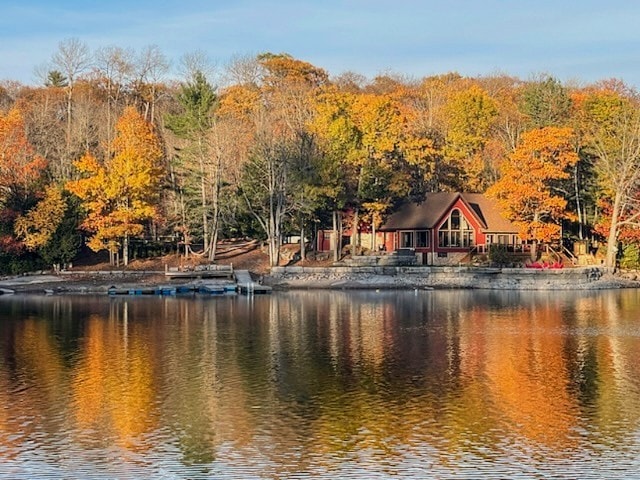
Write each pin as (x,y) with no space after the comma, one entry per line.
(428,212)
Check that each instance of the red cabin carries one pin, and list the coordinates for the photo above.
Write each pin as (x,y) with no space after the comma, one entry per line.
(447,226)
(441,229)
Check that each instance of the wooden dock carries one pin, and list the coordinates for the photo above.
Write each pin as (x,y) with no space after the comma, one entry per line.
(239,281)
(221,271)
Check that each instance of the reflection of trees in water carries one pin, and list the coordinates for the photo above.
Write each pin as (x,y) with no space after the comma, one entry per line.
(113,381)
(304,377)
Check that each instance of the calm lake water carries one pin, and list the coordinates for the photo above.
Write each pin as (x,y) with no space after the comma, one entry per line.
(426,384)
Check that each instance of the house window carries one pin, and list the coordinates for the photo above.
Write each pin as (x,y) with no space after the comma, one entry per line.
(417,239)
(455,232)
(406,240)
(502,239)
(422,239)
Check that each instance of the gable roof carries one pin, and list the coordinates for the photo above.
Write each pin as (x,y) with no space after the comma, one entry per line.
(427,213)
(489,212)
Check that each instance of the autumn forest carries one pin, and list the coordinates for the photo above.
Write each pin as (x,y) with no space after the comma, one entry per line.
(111,151)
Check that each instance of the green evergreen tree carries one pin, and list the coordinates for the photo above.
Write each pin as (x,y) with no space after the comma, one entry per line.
(546,103)
(199,172)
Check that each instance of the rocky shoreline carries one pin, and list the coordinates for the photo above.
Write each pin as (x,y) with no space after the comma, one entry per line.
(343,278)
(586,278)
(78,282)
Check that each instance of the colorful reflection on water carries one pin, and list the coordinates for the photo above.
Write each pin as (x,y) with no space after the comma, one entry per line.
(440,384)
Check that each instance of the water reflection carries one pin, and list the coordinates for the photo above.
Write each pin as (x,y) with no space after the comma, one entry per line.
(321,384)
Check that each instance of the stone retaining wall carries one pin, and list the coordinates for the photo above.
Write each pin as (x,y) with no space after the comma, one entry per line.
(439,277)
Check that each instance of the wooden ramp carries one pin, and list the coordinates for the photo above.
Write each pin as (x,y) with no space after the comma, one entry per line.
(247,286)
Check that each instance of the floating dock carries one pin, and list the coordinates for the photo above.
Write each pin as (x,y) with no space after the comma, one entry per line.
(169,290)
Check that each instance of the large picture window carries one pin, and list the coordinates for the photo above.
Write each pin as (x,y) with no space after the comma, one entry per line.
(406,240)
(455,232)
(422,239)
(414,239)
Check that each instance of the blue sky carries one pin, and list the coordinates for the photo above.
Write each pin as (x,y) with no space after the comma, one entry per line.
(573,40)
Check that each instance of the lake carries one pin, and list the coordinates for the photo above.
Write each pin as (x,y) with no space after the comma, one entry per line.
(342,384)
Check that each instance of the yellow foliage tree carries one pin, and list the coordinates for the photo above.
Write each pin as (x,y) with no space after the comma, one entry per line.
(524,190)
(470,117)
(120,193)
(38,226)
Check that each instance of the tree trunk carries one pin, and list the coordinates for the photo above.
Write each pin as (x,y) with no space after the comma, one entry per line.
(274,234)
(578,203)
(534,250)
(534,243)
(335,237)
(125,251)
(373,237)
(213,247)
(203,195)
(274,252)
(215,201)
(612,238)
(355,233)
(303,253)
(340,230)
(68,131)
(215,227)
(205,226)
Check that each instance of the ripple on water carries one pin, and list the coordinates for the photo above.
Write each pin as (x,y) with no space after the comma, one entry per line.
(461,385)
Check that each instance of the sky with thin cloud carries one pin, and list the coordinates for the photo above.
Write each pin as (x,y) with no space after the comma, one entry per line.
(575,41)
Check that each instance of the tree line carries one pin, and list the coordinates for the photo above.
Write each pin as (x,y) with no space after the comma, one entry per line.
(110,148)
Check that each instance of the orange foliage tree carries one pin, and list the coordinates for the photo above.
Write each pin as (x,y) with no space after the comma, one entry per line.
(21,170)
(525,189)
(120,194)
(20,165)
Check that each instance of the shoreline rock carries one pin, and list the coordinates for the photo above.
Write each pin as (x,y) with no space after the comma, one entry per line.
(588,278)
(346,278)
